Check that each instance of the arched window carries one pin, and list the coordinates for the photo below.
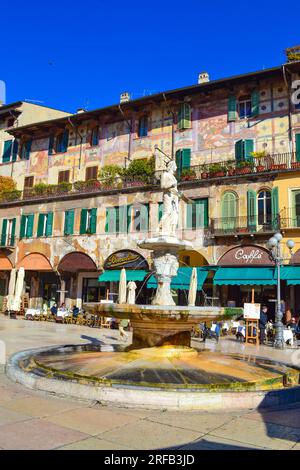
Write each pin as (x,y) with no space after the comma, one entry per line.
(229,210)
(264,207)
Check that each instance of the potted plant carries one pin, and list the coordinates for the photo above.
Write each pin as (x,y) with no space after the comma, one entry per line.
(204,173)
(295,165)
(259,160)
(244,167)
(216,170)
(64,187)
(188,175)
(230,166)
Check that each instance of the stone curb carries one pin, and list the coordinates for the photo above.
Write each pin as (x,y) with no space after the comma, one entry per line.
(133,397)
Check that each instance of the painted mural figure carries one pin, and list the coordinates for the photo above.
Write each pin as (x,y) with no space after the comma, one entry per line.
(168,184)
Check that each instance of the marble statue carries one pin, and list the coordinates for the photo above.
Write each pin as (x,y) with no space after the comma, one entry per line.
(168,184)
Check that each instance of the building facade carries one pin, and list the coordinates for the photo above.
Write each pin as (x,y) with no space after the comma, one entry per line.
(237,147)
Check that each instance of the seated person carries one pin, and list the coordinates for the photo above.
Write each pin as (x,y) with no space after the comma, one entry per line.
(63,307)
(75,311)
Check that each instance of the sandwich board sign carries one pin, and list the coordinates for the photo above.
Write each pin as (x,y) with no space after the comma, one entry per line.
(252,311)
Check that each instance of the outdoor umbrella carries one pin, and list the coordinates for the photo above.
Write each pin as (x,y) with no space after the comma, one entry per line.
(122,287)
(131,292)
(193,288)
(16,304)
(11,288)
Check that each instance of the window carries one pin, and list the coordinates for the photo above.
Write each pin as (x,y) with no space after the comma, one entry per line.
(95,136)
(184,116)
(8,232)
(7,149)
(143,127)
(25,150)
(183,160)
(88,221)
(160,210)
(295,208)
(91,173)
(244,107)
(139,217)
(117,219)
(197,214)
(92,291)
(229,210)
(28,184)
(26,229)
(264,207)
(244,149)
(62,141)
(45,223)
(69,222)
(63,176)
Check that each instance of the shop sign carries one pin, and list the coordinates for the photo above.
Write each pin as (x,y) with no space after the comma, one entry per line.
(249,255)
(252,311)
(127,259)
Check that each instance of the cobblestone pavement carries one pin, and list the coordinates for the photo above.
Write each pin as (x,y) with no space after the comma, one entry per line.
(36,420)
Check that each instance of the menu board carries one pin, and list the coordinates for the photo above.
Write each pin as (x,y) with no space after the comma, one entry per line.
(252,311)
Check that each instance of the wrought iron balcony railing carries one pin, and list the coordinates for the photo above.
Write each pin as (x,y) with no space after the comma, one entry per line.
(233,226)
(290,217)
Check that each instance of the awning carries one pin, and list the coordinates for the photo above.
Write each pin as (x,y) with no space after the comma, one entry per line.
(113,275)
(291,274)
(183,279)
(260,276)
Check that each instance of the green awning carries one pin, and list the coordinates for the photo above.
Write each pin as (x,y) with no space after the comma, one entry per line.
(183,279)
(113,275)
(291,274)
(260,276)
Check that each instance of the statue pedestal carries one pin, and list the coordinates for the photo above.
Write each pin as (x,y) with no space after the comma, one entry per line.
(165,260)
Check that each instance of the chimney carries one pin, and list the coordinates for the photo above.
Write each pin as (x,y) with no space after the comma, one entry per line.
(203,77)
(124,97)
(80,110)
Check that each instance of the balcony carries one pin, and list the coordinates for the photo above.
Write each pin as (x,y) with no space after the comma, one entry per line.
(290,218)
(275,163)
(241,226)
(9,243)
(62,190)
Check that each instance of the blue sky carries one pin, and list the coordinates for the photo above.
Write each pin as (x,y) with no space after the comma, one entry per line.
(71,54)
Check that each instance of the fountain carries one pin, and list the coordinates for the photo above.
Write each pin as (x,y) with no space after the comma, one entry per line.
(160,368)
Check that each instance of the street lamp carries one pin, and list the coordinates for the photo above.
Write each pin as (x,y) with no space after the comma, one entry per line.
(275,249)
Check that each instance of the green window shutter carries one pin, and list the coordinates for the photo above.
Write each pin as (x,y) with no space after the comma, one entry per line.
(49,224)
(178,157)
(93,224)
(251,210)
(255,103)
(15,150)
(129,218)
(29,231)
(27,149)
(184,116)
(22,226)
(275,208)
(40,229)
(122,219)
(189,214)
(4,230)
(248,149)
(229,211)
(69,222)
(201,207)
(297,147)
(239,150)
(7,151)
(51,144)
(65,140)
(111,215)
(160,210)
(231,108)
(13,232)
(186,158)
(144,217)
(83,219)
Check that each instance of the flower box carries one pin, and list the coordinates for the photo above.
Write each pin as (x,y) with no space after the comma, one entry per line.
(243,171)
(260,168)
(281,166)
(218,174)
(296,165)
(204,175)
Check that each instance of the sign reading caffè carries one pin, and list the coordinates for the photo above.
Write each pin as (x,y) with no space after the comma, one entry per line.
(127,259)
(248,255)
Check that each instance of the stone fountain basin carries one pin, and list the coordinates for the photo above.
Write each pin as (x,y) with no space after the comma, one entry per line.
(154,325)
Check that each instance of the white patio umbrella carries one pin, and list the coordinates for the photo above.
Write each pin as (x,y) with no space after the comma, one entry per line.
(122,287)
(131,287)
(193,288)
(16,304)
(11,288)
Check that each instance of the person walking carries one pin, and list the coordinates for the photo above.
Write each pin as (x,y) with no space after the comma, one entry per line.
(263,320)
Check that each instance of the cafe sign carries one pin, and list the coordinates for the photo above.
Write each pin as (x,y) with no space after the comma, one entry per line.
(248,255)
(127,259)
